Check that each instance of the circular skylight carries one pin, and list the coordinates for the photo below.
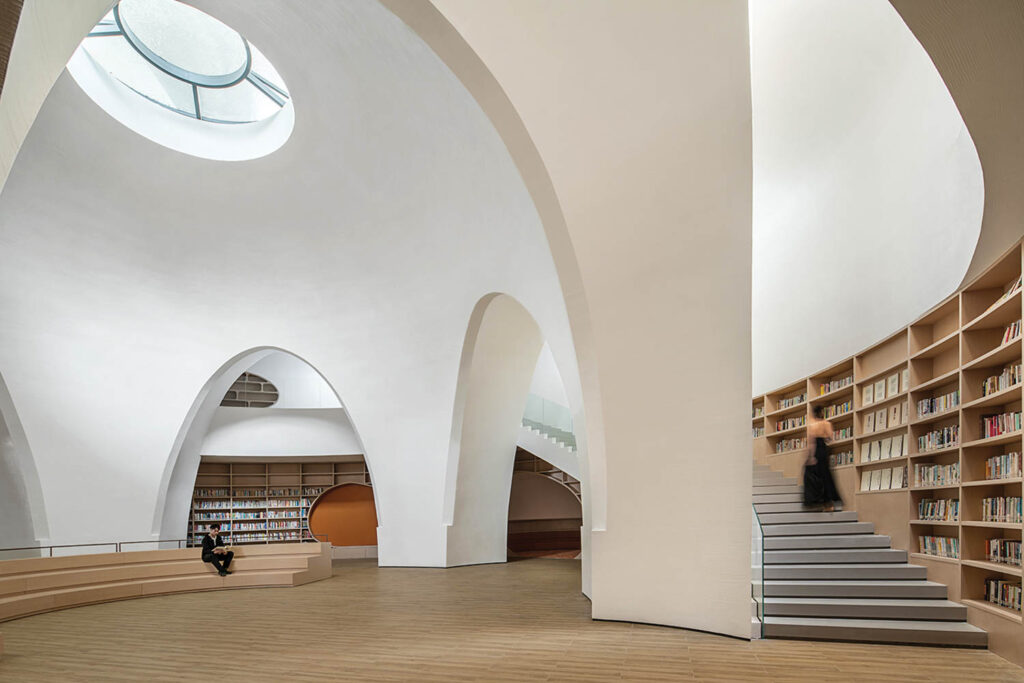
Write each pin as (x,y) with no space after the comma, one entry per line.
(173,55)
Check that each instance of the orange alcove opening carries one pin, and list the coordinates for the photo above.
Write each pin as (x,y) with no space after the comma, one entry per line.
(346,514)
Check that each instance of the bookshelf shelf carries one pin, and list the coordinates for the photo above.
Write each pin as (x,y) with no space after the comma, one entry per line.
(936,558)
(995,440)
(991,525)
(798,408)
(268,499)
(957,347)
(993,482)
(998,398)
(948,343)
(944,378)
(787,432)
(999,356)
(994,567)
(992,608)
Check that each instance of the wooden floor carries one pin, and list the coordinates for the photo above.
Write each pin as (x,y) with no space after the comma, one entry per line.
(524,621)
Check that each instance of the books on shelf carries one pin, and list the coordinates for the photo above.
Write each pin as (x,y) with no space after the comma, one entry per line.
(1003,593)
(1005,509)
(938,404)
(1005,466)
(941,510)
(211,493)
(892,384)
(837,409)
(841,458)
(1003,551)
(790,423)
(905,379)
(1011,290)
(869,423)
(926,474)
(1010,376)
(758,412)
(883,479)
(996,425)
(758,432)
(944,437)
(883,449)
(879,390)
(1011,332)
(939,546)
(786,445)
(868,395)
(841,434)
(881,422)
(834,385)
(792,401)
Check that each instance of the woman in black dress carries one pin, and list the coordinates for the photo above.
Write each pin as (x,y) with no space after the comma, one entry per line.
(819,487)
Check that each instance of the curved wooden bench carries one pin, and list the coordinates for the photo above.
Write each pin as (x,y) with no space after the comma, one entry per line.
(32,586)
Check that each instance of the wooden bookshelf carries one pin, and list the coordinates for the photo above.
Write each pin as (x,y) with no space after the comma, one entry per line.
(266,500)
(941,363)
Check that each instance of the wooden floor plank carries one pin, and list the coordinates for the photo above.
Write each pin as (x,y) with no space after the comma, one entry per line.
(522,621)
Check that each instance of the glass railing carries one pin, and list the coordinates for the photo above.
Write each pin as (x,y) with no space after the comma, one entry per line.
(757,568)
(549,418)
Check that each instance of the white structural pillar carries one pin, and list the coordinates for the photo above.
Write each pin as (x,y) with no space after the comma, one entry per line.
(631,125)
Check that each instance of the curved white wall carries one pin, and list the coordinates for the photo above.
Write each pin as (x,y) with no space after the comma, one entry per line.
(868,192)
(128,270)
(547,381)
(298,384)
(280,431)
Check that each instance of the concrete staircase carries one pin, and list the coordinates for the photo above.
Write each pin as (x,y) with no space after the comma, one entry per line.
(829,577)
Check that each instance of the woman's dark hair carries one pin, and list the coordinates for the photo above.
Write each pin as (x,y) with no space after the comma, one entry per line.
(215,525)
(819,412)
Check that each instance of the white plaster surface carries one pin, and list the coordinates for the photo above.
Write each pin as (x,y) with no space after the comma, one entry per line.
(868,191)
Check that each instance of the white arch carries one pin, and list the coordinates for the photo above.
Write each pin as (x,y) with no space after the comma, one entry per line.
(183,461)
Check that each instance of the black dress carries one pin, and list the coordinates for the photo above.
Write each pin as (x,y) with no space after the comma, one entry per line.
(819,487)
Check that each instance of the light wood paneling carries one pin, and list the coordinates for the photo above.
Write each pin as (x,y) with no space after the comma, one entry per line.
(522,621)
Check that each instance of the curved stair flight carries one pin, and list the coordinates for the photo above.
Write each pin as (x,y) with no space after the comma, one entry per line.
(828,576)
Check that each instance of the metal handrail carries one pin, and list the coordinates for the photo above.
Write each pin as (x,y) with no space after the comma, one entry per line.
(118,545)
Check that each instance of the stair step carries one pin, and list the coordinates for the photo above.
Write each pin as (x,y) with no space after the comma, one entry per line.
(818,529)
(853,589)
(866,608)
(835,556)
(831,541)
(787,488)
(777,498)
(851,571)
(877,630)
(789,506)
(806,517)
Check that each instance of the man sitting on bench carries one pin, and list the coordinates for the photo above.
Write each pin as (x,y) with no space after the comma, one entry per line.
(214,551)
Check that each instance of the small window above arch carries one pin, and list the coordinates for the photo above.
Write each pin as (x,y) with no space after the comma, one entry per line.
(250,391)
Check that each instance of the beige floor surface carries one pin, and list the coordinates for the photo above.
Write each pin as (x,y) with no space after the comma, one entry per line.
(522,621)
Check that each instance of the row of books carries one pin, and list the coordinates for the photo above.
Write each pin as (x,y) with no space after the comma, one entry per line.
(212,516)
(1010,376)
(995,425)
(938,404)
(1002,509)
(1003,551)
(758,432)
(1011,332)
(790,423)
(834,385)
(884,418)
(786,445)
(1010,291)
(937,475)
(1005,466)
(1003,593)
(889,386)
(944,437)
(266,536)
(884,449)
(939,546)
(842,433)
(211,493)
(792,401)
(884,479)
(837,409)
(841,458)
(285,514)
(942,510)
(247,515)
(758,412)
